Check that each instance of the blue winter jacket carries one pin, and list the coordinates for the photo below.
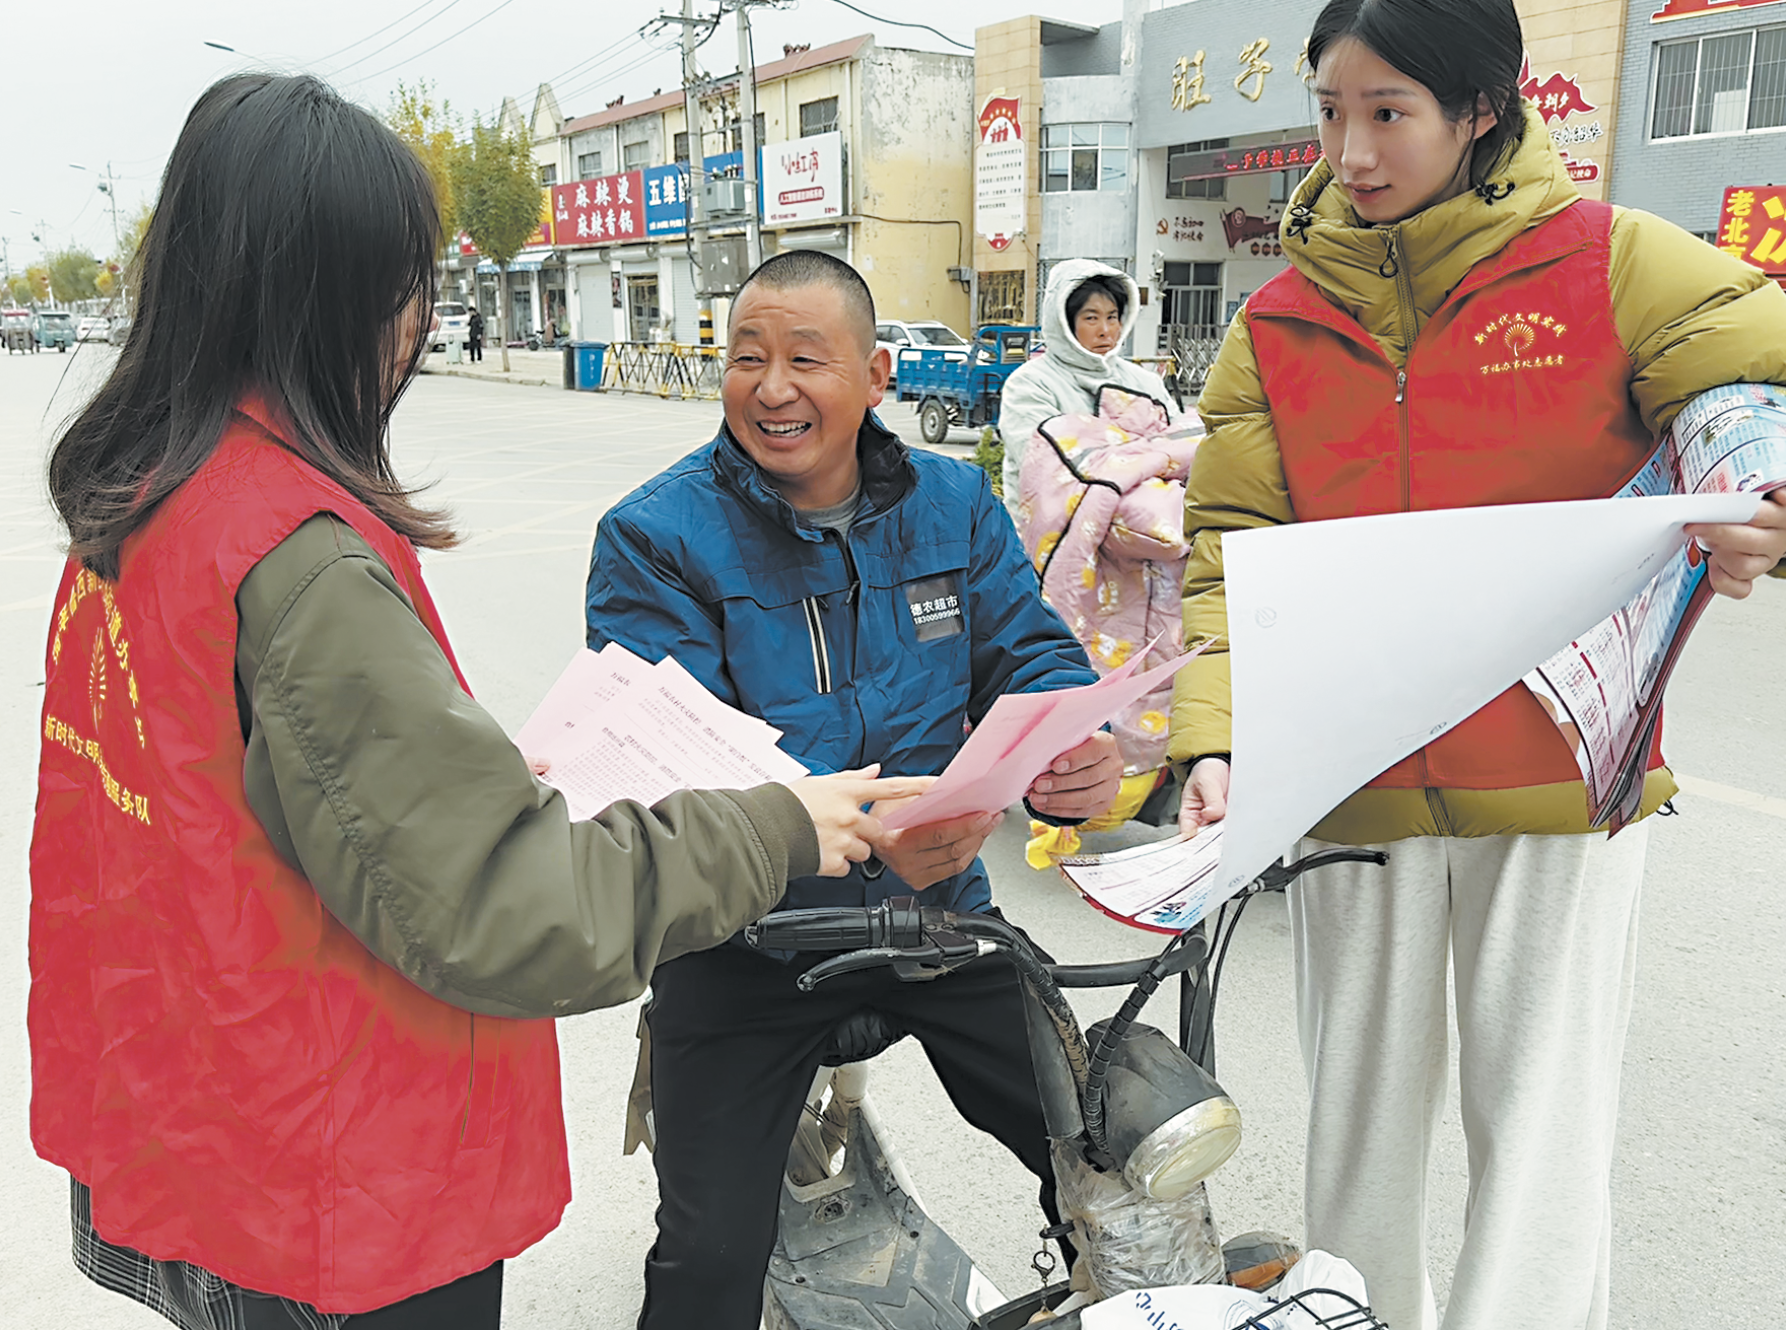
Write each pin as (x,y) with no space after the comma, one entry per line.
(874,649)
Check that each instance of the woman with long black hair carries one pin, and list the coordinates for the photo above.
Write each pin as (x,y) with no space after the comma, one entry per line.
(1459,327)
(295,896)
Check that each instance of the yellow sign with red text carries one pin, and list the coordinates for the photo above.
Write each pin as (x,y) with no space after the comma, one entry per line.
(1752,226)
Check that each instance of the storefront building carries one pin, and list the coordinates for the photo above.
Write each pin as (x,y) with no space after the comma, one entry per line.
(863,153)
(1706,113)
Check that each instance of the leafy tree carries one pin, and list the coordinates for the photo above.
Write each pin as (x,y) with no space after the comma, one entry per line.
(72,274)
(429,126)
(37,281)
(18,291)
(132,242)
(497,191)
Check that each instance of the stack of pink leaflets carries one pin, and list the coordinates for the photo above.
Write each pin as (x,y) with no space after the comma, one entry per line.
(617,727)
(1021,734)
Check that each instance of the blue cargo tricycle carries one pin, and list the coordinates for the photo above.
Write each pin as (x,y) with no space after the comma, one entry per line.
(953,390)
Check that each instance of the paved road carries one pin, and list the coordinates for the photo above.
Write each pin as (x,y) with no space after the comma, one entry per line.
(1702,1175)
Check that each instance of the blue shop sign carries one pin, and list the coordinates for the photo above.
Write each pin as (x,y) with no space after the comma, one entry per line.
(666,200)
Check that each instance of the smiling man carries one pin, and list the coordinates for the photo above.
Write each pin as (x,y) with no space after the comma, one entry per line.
(867,601)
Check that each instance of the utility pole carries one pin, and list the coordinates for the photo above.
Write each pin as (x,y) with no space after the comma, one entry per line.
(691,112)
(747,115)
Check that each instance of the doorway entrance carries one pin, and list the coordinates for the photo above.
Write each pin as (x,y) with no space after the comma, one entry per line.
(642,312)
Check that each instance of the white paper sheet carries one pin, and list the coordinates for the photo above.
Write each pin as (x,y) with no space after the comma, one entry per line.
(615,727)
(1356,642)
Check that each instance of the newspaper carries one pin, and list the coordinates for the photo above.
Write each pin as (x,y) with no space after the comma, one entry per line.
(615,727)
(1604,690)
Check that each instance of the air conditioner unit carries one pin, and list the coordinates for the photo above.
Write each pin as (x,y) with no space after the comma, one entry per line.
(722,196)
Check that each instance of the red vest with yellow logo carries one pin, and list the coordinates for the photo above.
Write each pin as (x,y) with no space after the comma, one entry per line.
(241,1083)
(1517,390)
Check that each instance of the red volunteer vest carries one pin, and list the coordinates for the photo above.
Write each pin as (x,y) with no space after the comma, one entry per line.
(1516,391)
(241,1083)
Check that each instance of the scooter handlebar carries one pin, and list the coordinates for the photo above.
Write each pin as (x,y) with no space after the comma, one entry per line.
(896,923)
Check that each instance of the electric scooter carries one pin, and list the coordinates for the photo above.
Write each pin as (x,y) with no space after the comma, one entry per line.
(1136,1122)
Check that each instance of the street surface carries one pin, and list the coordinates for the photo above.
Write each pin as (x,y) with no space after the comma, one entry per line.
(1701,1185)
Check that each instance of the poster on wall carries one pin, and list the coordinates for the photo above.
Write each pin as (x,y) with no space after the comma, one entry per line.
(802,181)
(1001,172)
(1565,109)
(602,211)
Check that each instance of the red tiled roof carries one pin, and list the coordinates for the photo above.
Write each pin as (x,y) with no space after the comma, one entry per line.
(793,64)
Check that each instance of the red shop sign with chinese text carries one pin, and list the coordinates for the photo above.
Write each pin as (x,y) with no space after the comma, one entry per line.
(1694,8)
(1752,226)
(1242,161)
(605,211)
(1557,97)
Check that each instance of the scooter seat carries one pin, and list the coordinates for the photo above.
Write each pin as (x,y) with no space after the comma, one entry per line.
(860,1036)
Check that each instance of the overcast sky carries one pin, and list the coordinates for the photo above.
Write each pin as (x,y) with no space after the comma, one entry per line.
(111,81)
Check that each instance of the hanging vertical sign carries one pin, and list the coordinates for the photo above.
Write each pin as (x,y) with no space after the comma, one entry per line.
(1001,173)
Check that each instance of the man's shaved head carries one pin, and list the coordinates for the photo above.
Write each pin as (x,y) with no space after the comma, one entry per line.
(811,267)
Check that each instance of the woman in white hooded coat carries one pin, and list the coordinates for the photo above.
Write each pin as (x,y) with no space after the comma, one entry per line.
(1087,311)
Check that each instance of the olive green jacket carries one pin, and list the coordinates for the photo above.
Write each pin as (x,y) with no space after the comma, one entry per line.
(423,830)
(1690,317)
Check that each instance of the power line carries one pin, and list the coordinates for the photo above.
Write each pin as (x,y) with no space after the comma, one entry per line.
(444,40)
(369,36)
(898,24)
(651,53)
(584,63)
(595,75)
(400,37)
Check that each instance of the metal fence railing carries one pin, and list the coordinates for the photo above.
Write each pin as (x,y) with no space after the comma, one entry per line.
(664,369)
(1193,350)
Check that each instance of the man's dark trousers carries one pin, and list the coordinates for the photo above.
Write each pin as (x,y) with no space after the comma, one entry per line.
(734,1048)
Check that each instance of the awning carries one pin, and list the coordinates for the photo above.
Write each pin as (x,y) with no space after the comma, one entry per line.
(523,262)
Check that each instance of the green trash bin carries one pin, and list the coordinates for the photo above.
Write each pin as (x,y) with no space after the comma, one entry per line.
(589,365)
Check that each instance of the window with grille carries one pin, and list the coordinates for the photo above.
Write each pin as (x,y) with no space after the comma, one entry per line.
(1196,189)
(1001,297)
(589,165)
(735,132)
(1726,84)
(679,148)
(1190,300)
(1083,158)
(818,117)
(548,175)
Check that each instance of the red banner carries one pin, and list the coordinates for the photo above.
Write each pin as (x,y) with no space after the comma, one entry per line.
(1752,226)
(1694,8)
(1556,97)
(605,211)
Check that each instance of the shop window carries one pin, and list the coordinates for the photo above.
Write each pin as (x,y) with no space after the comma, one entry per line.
(1725,84)
(1085,158)
(1001,297)
(548,176)
(635,156)
(1196,189)
(818,117)
(589,165)
(1283,183)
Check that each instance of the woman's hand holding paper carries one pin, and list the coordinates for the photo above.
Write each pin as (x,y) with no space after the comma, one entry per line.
(1082,782)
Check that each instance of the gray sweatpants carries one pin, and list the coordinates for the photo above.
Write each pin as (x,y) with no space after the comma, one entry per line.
(1542,932)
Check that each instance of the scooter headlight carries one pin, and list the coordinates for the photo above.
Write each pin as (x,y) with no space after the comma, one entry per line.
(1168,1122)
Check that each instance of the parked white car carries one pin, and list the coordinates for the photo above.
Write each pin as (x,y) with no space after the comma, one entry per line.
(93,328)
(451,319)
(897,335)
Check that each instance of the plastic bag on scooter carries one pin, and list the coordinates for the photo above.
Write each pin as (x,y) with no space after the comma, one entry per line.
(1128,1240)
